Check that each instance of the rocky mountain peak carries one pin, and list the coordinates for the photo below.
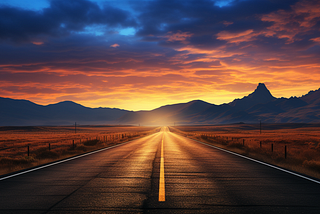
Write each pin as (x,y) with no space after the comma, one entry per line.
(262,93)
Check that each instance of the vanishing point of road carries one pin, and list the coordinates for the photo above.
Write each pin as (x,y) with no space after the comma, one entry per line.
(159,173)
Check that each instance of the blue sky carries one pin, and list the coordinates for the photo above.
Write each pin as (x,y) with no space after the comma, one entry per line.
(142,54)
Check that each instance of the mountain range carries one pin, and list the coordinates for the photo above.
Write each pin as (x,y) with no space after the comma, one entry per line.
(259,105)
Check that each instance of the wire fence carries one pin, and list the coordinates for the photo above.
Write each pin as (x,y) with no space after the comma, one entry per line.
(277,149)
(17,149)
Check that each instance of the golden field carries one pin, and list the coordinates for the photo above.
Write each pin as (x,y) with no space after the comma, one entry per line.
(47,144)
(301,141)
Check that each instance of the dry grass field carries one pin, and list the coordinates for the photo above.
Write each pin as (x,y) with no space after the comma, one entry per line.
(47,144)
(292,146)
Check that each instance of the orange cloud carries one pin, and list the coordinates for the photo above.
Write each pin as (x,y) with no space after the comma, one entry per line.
(317,39)
(179,36)
(244,36)
(115,45)
(37,43)
(302,17)
(226,23)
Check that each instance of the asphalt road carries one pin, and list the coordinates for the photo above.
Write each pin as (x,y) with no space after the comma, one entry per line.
(196,179)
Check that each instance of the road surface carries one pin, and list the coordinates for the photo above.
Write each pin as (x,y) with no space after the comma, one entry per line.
(160,173)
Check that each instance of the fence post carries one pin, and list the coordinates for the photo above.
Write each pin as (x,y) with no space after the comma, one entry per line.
(28,151)
(49,147)
(260,144)
(272,147)
(243,142)
(285,151)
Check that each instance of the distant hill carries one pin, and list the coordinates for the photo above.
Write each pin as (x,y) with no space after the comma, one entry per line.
(259,105)
(23,112)
(182,112)
(313,97)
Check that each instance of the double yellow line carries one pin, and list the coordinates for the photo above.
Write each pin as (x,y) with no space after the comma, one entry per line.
(162,194)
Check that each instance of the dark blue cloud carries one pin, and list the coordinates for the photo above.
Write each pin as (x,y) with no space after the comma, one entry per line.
(204,19)
(60,19)
(203,16)
(158,19)
(87,53)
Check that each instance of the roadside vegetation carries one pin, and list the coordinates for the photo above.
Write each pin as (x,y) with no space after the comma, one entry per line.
(25,147)
(292,146)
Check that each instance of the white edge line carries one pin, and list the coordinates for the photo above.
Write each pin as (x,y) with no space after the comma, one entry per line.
(65,160)
(257,161)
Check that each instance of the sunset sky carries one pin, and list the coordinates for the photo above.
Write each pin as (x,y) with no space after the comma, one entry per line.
(142,54)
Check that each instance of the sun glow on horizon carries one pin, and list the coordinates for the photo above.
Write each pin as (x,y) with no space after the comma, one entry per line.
(143,101)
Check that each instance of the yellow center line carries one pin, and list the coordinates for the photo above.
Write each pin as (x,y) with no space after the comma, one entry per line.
(162,195)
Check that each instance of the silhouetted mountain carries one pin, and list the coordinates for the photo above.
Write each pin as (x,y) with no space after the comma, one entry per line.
(169,114)
(23,112)
(223,114)
(259,105)
(260,95)
(313,97)
(309,112)
(277,106)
